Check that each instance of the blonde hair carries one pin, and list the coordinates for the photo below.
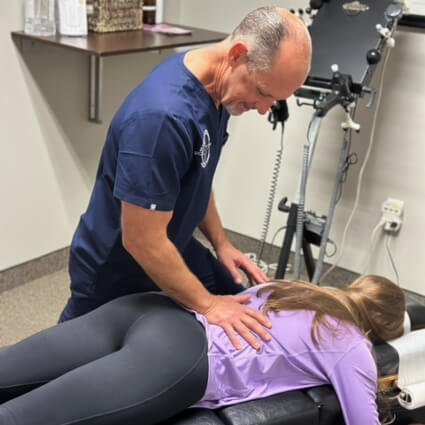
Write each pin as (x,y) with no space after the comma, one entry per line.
(372,303)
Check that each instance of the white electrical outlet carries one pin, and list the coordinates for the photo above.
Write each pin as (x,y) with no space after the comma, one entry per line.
(392,214)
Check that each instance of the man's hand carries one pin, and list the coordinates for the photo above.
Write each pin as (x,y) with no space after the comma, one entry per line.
(233,260)
(230,313)
(228,255)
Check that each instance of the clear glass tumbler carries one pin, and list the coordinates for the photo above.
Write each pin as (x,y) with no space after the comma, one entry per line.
(40,17)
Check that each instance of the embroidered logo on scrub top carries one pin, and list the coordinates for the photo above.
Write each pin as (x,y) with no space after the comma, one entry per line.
(204,151)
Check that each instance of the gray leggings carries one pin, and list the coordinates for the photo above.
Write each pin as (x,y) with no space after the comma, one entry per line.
(136,360)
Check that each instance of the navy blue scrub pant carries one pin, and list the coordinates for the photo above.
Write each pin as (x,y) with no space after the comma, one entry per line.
(136,360)
(214,276)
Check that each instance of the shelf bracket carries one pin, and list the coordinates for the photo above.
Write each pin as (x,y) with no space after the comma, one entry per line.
(95,88)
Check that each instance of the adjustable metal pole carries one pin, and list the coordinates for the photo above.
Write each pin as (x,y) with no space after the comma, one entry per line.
(95,88)
(332,204)
(309,148)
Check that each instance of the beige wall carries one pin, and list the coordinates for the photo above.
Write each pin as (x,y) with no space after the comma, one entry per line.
(49,152)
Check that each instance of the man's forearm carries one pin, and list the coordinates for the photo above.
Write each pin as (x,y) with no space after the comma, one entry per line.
(144,236)
(165,266)
(211,225)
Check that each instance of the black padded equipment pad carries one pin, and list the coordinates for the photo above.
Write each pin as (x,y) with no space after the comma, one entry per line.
(327,403)
(194,417)
(343,39)
(291,408)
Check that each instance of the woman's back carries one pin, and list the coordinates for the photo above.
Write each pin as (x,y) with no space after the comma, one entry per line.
(291,360)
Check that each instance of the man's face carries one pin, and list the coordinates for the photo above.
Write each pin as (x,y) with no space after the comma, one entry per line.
(246,90)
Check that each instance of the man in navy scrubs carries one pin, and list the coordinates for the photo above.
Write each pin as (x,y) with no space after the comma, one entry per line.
(154,183)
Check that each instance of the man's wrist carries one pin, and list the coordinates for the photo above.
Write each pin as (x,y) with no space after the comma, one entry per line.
(216,238)
(206,305)
(222,246)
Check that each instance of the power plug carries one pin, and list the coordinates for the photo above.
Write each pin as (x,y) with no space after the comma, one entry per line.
(392,214)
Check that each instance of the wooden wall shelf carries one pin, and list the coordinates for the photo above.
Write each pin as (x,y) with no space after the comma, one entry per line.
(98,45)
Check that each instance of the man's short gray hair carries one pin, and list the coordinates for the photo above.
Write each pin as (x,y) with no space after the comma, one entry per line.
(263,30)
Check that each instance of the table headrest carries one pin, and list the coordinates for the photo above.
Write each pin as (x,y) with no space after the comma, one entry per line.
(416,313)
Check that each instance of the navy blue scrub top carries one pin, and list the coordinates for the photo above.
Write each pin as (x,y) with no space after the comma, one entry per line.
(161,153)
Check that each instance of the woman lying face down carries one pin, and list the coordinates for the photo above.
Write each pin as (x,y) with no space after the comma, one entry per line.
(143,358)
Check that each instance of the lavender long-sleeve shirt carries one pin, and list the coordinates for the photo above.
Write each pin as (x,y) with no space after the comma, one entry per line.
(292,361)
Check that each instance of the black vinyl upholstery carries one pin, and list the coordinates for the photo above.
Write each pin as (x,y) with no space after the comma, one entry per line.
(291,408)
(312,406)
(195,416)
(327,404)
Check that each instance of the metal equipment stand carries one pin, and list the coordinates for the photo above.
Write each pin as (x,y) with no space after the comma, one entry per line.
(308,228)
(308,238)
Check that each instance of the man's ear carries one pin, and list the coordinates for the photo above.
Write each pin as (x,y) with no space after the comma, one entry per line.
(237,52)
